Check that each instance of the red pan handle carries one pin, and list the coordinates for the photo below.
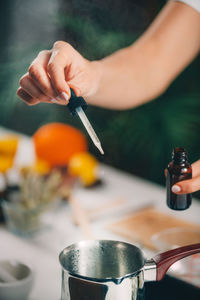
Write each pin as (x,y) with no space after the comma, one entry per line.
(166,259)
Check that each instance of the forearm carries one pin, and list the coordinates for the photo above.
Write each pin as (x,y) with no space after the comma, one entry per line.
(143,71)
(128,78)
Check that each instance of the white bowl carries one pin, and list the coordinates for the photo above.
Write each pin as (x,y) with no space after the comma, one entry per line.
(19,283)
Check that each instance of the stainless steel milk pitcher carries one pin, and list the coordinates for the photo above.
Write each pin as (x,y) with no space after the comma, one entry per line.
(112,270)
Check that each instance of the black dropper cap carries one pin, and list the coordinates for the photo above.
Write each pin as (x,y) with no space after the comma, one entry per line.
(75,102)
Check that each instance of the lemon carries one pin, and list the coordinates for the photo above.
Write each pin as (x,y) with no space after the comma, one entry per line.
(84,165)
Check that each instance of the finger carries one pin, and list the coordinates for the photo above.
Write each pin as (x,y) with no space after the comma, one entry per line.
(30,88)
(60,60)
(26,97)
(187,186)
(38,73)
(196,168)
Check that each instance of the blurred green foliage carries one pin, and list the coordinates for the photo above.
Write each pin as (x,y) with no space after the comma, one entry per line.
(140,140)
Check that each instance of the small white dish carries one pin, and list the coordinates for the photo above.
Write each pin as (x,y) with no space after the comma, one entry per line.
(16,280)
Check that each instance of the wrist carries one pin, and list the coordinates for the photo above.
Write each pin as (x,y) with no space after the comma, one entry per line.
(95,69)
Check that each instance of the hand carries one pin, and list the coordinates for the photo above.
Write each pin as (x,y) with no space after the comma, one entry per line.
(52,74)
(190,185)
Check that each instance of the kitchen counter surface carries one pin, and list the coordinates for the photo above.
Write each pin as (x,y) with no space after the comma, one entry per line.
(41,251)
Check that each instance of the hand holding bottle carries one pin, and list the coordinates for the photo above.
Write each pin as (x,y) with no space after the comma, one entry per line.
(190,185)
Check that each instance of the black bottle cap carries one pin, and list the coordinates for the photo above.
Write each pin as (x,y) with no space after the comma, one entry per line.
(75,102)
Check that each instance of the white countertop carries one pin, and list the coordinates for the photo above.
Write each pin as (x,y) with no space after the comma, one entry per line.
(41,251)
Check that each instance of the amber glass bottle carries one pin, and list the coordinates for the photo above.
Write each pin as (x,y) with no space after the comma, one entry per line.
(178,169)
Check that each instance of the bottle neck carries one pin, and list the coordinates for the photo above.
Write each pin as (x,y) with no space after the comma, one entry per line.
(179,156)
(179,160)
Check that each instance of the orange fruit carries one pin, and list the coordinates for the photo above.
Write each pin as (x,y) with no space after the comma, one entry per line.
(56,143)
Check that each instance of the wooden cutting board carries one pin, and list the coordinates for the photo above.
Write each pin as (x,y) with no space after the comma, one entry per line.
(141,226)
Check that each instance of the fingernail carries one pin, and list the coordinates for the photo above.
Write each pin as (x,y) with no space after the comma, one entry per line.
(176,189)
(53,100)
(63,96)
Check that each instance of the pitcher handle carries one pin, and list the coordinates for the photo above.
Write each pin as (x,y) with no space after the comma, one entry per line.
(164,260)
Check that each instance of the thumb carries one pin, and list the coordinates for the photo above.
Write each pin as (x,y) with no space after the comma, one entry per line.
(187,186)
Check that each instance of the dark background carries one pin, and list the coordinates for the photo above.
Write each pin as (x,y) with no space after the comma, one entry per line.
(140,140)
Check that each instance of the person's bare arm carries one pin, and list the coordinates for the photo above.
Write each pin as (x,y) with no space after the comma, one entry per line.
(143,71)
(127,78)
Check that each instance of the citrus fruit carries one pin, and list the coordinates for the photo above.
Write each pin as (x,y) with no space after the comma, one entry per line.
(6,162)
(8,149)
(8,145)
(84,165)
(40,167)
(57,142)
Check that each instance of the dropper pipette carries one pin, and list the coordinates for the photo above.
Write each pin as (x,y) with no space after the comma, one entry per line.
(77,105)
(89,128)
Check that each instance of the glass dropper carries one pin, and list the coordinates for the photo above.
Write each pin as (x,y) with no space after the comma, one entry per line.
(89,128)
(77,106)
